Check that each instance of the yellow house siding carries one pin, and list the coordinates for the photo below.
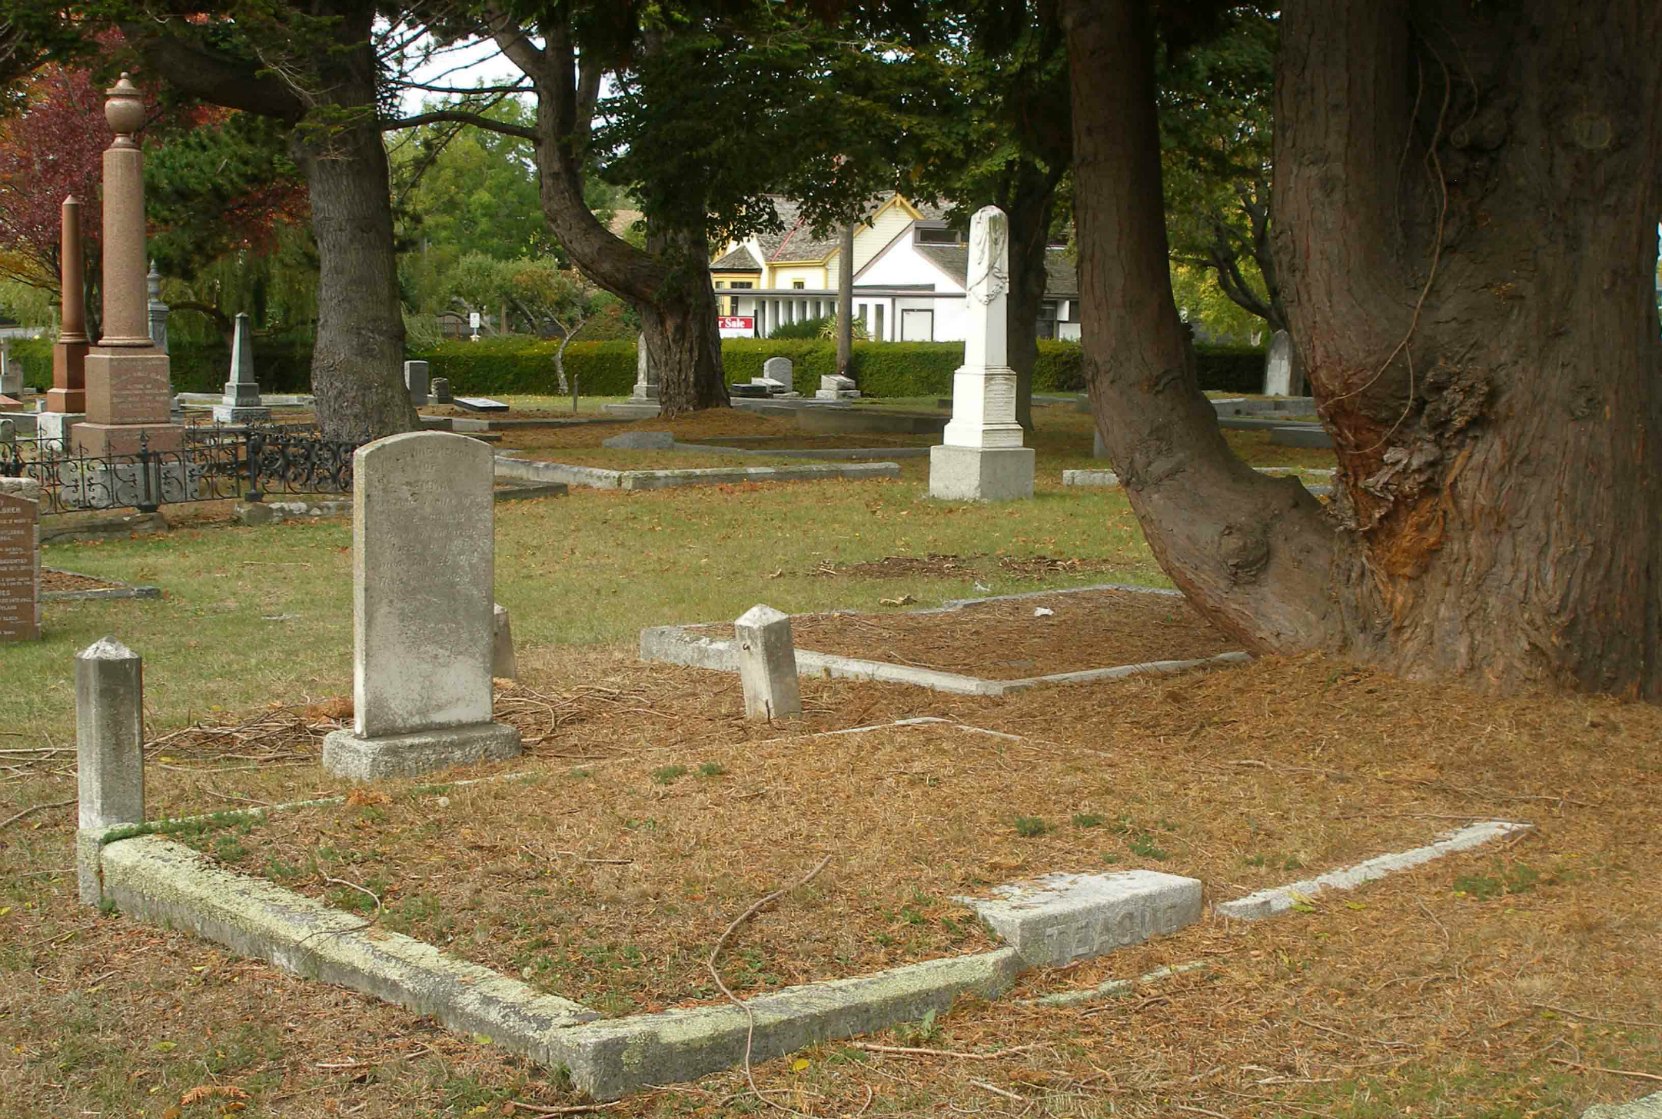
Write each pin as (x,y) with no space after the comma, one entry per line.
(813,276)
(886,225)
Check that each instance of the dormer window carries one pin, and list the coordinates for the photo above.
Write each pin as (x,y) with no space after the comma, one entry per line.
(940,234)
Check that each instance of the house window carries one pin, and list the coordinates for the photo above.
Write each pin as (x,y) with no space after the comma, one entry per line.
(937,235)
(799,283)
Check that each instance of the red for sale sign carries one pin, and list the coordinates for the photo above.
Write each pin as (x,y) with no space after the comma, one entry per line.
(736,326)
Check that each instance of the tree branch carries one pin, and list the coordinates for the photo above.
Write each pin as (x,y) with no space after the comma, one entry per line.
(461,116)
(213,76)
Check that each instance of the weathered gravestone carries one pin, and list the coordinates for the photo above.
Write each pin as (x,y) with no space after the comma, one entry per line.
(779,369)
(423,556)
(415,379)
(241,402)
(835,386)
(1278,365)
(504,664)
(19,559)
(981,457)
(439,387)
(767,664)
(11,375)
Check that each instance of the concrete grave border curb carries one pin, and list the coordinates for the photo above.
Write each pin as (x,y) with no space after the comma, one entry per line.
(1280,899)
(596,478)
(680,645)
(118,589)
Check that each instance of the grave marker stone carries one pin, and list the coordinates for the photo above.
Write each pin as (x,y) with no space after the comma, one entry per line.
(415,379)
(66,400)
(981,457)
(767,664)
(1278,365)
(241,402)
(646,377)
(109,751)
(439,387)
(423,557)
(779,369)
(19,559)
(504,664)
(11,375)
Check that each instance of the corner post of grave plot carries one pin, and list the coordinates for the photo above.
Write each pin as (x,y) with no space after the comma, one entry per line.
(767,664)
(109,752)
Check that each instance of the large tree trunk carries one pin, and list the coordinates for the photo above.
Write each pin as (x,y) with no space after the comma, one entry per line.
(683,342)
(357,360)
(330,105)
(1465,216)
(1029,204)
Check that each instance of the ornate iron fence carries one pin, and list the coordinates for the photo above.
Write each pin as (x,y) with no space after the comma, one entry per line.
(213,463)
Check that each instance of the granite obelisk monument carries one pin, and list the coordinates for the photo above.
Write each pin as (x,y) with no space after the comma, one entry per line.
(128,395)
(981,457)
(66,400)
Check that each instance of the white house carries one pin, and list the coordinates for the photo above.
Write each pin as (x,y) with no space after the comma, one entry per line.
(909,275)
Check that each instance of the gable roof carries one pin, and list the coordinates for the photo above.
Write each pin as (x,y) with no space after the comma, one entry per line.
(1061,277)
(741,259)
(797,241)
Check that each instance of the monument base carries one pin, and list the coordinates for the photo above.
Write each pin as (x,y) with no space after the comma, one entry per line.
(239,414)
(346,754)
(55,427)
(980,473)
(70,401)
(644,392)
(103,440)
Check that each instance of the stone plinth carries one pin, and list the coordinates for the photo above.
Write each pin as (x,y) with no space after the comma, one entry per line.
(767,664)
(981,457)
(19,559)
(129,402)
(1061,918)
(423,568)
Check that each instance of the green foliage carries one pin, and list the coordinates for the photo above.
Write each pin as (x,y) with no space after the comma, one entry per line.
(519,364)
(1031,827)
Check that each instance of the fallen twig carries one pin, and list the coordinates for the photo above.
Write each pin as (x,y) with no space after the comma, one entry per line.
(12,819)
(715,974)
(1611,1071)
(918,1051)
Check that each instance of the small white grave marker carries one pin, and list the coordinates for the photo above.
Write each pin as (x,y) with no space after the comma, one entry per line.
(767,664)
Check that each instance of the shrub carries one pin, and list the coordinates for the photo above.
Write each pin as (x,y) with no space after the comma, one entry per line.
(1229,368)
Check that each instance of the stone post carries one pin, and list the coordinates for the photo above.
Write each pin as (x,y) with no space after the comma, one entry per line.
(767,664)
(415,379)
(129,399)
(19,559)
(241,402)
(423,569)
(66,400)
(981,457)
(504,664)
(109,751)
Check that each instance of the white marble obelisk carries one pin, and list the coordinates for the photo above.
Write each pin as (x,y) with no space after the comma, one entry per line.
(981,457)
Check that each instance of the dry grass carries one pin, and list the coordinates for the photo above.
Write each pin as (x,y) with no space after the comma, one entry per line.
(1493,983)
(1011,639)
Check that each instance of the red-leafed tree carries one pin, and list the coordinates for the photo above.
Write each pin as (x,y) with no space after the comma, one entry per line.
(51,149)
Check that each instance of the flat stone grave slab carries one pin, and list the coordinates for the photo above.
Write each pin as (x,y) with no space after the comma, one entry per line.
(1061,918)
(984,646)
(480,404)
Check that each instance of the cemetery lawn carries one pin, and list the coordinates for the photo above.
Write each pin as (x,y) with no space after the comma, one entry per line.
(1500,982)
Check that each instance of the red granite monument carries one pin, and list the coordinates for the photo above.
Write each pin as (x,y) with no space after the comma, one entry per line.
(128,395)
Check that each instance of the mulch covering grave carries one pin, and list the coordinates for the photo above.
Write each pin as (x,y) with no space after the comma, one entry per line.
(52,579)
(936,565)
(1518,979)
(1015,639)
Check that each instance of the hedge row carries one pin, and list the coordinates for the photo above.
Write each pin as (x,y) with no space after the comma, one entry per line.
(513,365)
(508,366)
(282,364)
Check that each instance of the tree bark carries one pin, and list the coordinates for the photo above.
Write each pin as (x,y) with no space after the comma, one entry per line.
(1251,552)
(1029,204)
(1465,232)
